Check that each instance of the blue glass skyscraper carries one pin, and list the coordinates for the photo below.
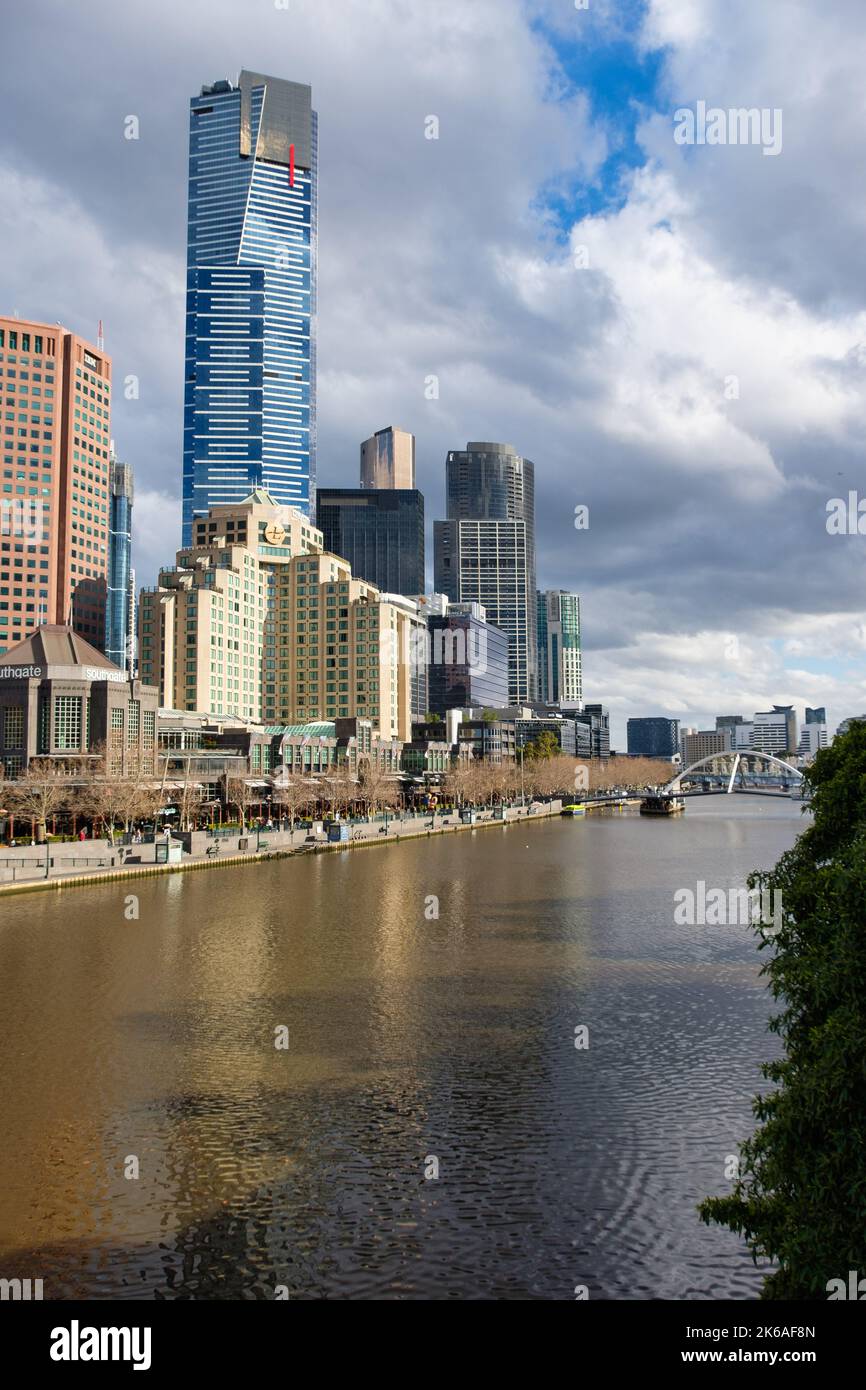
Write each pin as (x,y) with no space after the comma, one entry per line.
(250,388)
(120,602)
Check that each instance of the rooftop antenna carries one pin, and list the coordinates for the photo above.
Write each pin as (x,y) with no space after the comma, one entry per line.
(100,338)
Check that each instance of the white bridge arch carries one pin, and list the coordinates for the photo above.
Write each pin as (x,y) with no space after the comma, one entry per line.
(738,762)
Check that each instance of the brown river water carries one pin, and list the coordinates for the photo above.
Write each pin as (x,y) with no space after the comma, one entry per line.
(414,1043)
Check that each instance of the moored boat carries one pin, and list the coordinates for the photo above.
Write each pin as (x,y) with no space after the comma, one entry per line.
(662,805)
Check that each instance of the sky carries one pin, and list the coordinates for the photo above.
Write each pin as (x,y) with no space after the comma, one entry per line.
(674,333)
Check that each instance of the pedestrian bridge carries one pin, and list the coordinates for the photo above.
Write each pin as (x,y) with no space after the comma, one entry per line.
(746,772)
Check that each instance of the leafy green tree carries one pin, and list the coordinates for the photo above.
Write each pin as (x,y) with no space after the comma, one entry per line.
(545,745)
(800,1199)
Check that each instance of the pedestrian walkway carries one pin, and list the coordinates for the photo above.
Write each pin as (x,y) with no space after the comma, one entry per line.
(57,864)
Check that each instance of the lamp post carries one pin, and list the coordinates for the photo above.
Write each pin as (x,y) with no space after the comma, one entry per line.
(522,783)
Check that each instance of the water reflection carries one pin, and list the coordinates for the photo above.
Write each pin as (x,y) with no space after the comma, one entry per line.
(410,1037)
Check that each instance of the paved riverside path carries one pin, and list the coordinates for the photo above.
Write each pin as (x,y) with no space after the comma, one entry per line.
(89,861)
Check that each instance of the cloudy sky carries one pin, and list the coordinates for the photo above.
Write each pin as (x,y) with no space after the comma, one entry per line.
(674,333)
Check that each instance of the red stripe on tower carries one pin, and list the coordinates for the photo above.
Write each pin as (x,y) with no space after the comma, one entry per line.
(291,166)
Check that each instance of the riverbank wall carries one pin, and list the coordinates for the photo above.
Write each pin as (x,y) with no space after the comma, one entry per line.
(280,845)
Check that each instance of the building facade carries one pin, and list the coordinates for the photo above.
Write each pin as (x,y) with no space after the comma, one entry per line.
(256,621)
(597,720)
(468,660)
(252,265)
(55,390)
(813,737)
(120,643)
(704,743)
(62,699)
(653,737)
(560,678)
(485,549)
(380,532)
(388,460)
(775,731)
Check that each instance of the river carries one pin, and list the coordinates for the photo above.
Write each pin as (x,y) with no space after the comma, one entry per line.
(148,1045)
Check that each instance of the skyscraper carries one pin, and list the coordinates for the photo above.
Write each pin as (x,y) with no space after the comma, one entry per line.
(388,459)
(56,391)
(485,550)
(560,680)
(120,606)
(379,531)
(250,388)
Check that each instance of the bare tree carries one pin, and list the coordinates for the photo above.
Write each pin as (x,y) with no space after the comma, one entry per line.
(293,795)
(239,794)
(457,784)
(374,788)
(336,789)
(39,793)
(189,800)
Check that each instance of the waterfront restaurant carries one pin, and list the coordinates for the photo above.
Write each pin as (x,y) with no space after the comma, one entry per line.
(60,698)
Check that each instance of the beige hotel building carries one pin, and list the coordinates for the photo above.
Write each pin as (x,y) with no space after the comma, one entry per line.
(256,621)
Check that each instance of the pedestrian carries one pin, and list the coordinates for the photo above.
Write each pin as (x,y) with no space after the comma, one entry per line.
(82,834)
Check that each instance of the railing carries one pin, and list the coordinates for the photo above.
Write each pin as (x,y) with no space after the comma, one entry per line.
(41,868)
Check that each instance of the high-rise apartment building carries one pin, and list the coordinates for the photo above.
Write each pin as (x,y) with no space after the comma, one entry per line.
(256,620)
(380,532)
(485,550)
(121,603)
(55,393)
(250,388)
(560,679)
(388,460)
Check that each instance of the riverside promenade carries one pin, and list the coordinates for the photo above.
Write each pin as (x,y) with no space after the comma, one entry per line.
(30,868)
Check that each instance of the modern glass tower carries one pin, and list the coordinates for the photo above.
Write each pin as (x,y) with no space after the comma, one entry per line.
(120,605)
(250,388)
(485,551)
(560,680)
(380,531)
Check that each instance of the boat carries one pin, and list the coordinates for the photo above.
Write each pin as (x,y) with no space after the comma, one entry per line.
(575,808)
(663,805)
